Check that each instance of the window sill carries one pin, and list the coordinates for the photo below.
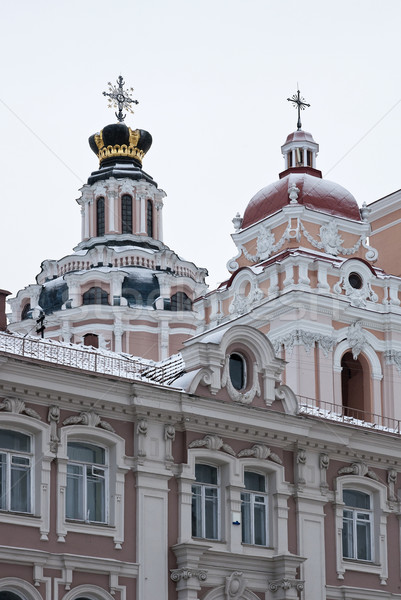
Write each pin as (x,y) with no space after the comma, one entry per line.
(349,564)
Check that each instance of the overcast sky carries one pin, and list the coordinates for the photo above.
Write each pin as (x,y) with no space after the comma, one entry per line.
(212,78)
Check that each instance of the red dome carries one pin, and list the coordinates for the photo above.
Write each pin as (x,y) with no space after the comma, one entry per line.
(315,193)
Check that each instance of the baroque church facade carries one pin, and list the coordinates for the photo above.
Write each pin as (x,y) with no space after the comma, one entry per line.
(162,440)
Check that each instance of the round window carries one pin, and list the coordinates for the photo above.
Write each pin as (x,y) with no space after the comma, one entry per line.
(355,281)
(237,371)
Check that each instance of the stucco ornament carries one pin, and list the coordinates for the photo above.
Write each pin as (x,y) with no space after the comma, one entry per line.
(242,304)
(293,193)
(392,480)
(237,222)
(356,338)
(359,468)
(15,405)
(260,451)
(306,338)
(331,239)
(358,297)
(235,586)
(89,418)
(53,417)
(212,442)
(178,574)
(286,584)
(236,395)
(332,243)
(265,242)
(393,357)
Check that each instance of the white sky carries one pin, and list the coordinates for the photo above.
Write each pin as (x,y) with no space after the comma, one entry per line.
(212,78)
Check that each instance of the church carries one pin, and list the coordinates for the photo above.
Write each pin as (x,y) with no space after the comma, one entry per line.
(160,439)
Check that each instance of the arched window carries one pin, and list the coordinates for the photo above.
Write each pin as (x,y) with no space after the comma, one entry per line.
(205,502)
(149,218)
(355,386)
(126,214)
(91,339)
(86,483)
(15,471)
(7,595)
(100,216)
(26,312)
(237,371)
(95,295)
(180,301)
(254,509)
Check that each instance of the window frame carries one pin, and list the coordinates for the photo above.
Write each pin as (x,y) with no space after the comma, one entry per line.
(115,446)
(9,454)
(149,218)
(266,504)
(204,486)
(100,216)
(379,511)
(83,465)
(42,458)
(356,521)
(126,214)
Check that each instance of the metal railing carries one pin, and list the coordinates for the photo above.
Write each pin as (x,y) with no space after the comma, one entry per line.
(347,415)
(92,360)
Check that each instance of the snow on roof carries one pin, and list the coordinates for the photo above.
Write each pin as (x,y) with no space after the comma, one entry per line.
(94,360)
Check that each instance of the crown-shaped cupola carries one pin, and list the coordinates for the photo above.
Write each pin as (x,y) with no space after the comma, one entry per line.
(121,201)
(119,148)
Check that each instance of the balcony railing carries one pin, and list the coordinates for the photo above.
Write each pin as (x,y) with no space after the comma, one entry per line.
(347,415)
(92,360)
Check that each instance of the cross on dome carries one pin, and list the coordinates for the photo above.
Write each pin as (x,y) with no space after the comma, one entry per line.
(300,103)
(119,98)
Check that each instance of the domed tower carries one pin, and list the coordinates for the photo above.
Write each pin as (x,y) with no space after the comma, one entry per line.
(122,288)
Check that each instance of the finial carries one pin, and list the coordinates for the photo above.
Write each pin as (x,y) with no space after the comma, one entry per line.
(119,98)
(299,102)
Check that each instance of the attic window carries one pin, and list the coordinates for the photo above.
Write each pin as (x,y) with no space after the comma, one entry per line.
(237,371)
(95,295)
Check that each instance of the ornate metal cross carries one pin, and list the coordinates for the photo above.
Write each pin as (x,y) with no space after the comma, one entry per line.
(119,98)
(299,102)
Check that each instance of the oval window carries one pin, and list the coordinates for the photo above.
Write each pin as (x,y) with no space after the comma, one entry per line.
(355,281)
(237,371)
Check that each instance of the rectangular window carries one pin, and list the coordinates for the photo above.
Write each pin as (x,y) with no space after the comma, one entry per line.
(205,503)
(254,510)
(15,472)
(357,526)
(86,483)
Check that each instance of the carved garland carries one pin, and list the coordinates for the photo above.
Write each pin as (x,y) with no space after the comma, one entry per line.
(330,242)
(307,338)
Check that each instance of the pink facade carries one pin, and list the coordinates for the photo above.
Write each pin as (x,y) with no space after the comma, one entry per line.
(167,441)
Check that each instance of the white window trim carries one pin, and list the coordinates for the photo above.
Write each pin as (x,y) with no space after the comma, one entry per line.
(91,591)
(40,473)
(116,479)
(203,486)
(106,469)
(266,503)
(24,589)
(231,486)
(379,509)
(277,494)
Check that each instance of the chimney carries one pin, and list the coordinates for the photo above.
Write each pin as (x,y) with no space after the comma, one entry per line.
(3,318)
